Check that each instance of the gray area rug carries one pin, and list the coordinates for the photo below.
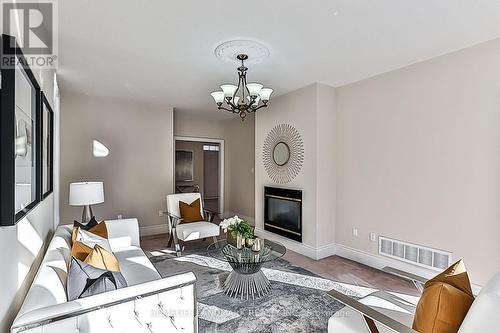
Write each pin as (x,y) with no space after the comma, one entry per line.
(297,302)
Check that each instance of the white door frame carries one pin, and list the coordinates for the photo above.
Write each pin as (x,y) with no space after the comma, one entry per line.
(221,163)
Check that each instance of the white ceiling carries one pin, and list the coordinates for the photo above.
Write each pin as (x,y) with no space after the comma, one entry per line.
(161,52)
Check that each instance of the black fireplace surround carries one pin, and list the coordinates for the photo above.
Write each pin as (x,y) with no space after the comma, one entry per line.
(283,212)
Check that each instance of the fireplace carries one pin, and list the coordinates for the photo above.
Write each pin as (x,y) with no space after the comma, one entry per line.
(283,212)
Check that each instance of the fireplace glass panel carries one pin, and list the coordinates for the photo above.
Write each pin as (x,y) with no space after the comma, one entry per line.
(284,213)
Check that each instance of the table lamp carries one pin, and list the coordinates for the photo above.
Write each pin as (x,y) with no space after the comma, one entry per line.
(86,194)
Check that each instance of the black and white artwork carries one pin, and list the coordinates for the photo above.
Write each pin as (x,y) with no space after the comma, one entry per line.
(184,165)
(20,142)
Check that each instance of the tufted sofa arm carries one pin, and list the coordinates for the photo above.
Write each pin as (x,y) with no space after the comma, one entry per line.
(165,305)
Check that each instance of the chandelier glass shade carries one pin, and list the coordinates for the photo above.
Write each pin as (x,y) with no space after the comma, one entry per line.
(243,98)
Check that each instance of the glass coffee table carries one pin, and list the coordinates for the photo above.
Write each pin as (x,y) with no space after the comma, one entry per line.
(246,279)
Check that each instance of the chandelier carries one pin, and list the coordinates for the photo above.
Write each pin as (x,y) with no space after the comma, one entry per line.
(243,98)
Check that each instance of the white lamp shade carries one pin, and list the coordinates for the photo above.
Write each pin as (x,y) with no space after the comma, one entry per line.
(218,96)
(265,94)
(86,193)
(254,88)
(229,90)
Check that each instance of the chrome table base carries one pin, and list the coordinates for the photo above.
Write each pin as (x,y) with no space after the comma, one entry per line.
(244,286)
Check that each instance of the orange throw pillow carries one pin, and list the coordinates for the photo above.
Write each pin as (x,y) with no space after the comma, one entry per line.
(80,251)
(102,258)
(445,301)
(190,212)
(98,256)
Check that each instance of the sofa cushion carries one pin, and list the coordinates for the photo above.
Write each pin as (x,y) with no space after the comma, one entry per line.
(49,286)
(135,266)
(444,302)
(86,280)
(191,231)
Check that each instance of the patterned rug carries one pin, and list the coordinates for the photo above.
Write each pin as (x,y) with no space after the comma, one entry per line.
(298,301)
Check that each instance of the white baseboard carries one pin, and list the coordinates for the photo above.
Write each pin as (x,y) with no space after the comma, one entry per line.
(304,249)
(149,230)
(379,262)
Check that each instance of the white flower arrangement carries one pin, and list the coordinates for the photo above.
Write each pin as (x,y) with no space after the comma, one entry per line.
(228,223)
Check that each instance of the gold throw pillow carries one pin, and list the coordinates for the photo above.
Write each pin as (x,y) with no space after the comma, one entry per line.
(190,212)
(98,256)
(445,301)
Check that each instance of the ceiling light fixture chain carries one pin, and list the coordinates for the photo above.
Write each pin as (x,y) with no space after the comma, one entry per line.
(243,98)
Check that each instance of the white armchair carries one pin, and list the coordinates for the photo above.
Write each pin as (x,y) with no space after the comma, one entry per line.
(383,312)
(188,231)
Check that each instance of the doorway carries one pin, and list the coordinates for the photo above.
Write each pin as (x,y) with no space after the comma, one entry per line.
(199,167)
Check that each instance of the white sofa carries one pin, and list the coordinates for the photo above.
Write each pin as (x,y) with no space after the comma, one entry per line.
(148,304)
(392,314)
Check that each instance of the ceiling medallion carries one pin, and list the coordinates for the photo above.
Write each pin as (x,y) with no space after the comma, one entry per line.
(229,51)
(245,97)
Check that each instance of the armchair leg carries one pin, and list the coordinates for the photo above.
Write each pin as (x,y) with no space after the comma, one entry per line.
(173,237)
(371,325)
(170,238)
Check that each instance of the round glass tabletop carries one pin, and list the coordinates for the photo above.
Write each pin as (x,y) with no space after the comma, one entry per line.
(268,251)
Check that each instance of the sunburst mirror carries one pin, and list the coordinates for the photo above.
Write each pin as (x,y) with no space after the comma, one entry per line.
(283,153)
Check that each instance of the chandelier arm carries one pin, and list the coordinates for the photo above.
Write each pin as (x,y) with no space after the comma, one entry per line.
(232,105)
(225,109)
(259,107)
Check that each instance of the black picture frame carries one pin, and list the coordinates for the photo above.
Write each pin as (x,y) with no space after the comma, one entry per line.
(10,54)
(47,160)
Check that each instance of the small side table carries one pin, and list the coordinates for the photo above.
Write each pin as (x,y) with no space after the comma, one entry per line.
(246,280)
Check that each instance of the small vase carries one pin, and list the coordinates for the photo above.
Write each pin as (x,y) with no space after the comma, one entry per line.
(240,241)
(258,244)
(249,242)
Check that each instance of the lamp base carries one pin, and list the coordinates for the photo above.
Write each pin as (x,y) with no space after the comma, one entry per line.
(87,214)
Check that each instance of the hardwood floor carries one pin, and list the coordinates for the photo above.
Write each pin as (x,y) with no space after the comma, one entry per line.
(334,268)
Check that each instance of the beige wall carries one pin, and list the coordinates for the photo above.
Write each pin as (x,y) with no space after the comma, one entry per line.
(23,245)
(241,167)
(419,157)
(238,139)
(137,174)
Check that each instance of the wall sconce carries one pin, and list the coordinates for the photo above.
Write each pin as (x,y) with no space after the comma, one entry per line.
(99,150)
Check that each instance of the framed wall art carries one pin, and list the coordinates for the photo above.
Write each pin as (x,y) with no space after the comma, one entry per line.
(47,137)
(184,166)
(20,147)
